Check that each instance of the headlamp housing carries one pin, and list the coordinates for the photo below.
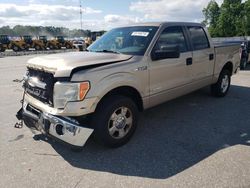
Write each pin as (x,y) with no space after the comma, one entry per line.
(65,92)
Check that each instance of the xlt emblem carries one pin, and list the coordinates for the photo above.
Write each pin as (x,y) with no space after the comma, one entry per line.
(142,68)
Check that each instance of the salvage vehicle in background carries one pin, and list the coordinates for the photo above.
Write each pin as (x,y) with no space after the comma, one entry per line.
(51,44)
(64,43)
(88,41)
(129,69)
(15,45)
(79,44)
(33,43)
(244,53)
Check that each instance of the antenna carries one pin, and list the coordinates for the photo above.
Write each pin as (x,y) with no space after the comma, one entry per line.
(80,2)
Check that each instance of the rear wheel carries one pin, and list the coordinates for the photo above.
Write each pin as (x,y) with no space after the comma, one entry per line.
(115,121)
(68,46)
(243,64)
(51,47)
(37,47)
(15,48)
(222,86)
(2,49)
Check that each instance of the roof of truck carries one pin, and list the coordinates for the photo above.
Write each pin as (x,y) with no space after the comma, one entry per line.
(157,24)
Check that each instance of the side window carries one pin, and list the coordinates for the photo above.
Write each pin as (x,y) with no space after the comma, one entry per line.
(198,38)
(170,37)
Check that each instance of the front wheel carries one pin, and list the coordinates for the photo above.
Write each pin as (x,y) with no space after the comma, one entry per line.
(221,87)
(115,121)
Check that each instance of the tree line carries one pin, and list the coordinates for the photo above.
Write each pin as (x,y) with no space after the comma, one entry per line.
(230,19)
(49,31)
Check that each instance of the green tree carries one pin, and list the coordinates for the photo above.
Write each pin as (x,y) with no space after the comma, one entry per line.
(246,17)
(212,14)
(49,31)
(230,20)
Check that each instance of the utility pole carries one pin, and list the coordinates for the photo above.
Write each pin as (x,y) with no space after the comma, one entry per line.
(80,2)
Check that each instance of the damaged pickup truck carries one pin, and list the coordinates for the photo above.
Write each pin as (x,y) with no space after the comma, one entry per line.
(129,69)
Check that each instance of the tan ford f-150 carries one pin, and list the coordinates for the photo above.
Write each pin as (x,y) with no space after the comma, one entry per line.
(129,69)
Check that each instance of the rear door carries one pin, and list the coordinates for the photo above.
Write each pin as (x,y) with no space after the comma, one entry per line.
(203,54)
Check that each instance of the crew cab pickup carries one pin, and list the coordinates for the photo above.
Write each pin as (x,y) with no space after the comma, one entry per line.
(129,69)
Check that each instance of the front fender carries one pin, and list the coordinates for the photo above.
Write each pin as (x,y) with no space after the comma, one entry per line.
(111,82)
(116,80)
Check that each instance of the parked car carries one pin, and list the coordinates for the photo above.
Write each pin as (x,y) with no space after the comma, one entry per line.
(68,96)
(79,44)
(244,53)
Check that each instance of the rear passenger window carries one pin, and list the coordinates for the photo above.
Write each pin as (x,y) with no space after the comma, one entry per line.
(198,38)
(170,37)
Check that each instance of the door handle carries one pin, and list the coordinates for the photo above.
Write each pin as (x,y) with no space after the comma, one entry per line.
(211,57)
(189,61)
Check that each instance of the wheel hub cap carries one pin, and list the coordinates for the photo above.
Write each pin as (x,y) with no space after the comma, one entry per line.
(120,123)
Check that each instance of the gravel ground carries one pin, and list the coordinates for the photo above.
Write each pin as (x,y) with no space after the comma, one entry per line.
(193,141)
(34,52)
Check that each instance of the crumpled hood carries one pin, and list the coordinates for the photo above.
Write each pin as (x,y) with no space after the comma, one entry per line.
(63,64)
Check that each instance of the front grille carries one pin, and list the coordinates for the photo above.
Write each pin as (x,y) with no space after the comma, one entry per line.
(44,95)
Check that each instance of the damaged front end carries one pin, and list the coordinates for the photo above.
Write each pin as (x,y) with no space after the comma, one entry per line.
(39,85)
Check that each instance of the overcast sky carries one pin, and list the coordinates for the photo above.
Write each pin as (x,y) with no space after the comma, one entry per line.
(97,14)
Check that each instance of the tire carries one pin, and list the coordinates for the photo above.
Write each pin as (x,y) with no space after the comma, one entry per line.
(243,64)
(115,121)
(15,48)
(2,49)
(51,47)
(222,86)
(37,47)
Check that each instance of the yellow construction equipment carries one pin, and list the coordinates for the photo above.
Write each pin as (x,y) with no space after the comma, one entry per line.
(33,43)
(64,43)
(51,44)
(88,41)
(15,45)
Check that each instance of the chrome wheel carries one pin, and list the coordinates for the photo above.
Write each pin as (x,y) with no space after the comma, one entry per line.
(224,83)
(120,122)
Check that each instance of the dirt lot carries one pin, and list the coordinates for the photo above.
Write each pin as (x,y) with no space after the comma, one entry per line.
(193,141)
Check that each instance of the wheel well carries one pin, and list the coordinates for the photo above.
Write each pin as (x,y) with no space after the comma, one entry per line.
(127,91)
(228,66)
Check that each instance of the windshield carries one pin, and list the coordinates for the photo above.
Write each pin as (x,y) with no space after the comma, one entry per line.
(126,40)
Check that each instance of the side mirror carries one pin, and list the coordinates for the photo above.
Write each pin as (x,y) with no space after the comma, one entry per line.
(166,53)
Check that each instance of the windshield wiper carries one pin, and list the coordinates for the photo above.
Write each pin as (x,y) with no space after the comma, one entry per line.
(108,51)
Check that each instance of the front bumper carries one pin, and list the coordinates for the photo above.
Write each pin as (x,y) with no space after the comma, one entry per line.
(62,128)
(80,108)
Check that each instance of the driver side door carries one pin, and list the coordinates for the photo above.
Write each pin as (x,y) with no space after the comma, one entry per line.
(168,76)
